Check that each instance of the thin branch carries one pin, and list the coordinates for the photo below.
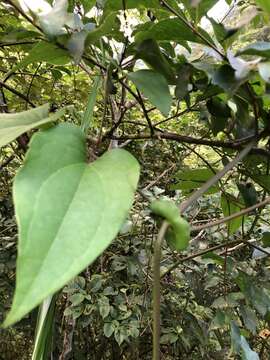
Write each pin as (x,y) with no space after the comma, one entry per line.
(231,217)
(20,95)
(200,253)
(235,145)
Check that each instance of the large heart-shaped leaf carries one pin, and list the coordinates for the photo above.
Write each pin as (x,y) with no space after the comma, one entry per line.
(68,212)
(14,125)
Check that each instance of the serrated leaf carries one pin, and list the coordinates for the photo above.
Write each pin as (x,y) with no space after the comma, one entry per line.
(14,125)
(155,87)
(66,211)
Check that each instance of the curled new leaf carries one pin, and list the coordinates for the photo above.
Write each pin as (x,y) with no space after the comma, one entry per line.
(178,235)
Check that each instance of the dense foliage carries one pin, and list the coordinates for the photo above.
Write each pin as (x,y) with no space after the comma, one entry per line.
(92,93)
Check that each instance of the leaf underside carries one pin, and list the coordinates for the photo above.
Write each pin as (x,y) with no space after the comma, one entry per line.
(67,211)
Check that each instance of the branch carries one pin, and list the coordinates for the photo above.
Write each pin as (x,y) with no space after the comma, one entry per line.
(200,253)
(20,95)
(234,145)
(231,217)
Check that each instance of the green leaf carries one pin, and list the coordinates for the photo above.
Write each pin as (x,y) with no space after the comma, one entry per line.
(248,192)
(178,235)
(262,180)
(250,319)
(224,77)
(149,51)
(45,52)
(76,299)
(108,329)
(220,31)
(116,5)
(171,30)
(155,87)
(247,352)
(229,208)
(105,28)
(266,239)
(14,125)
(88,114)
(88,4)
(260,48)
(193,179)
(201,9)
(235,337)
(66,210)
(44,333)
(220,113)
(264,4)
(264,70)
(184,73)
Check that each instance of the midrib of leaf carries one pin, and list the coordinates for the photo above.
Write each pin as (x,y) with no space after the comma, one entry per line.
(42,264)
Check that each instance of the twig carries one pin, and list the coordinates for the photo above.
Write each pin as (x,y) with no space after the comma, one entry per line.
(232,216)
(200,253)
(20,95)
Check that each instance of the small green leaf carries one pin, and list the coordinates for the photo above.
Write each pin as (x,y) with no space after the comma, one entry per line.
(45,52)
(220,113)
(105,28)
(155,87)
(66,210)
(266,239)
(88,114)
(76,299)
(229,208)
(108,329)
(178,235)
(116,5)
(225,78)
(200,9)
(193,179)
(248,193)
(149,51)
(14,125)
(88,4)
(264,70)
(260,48)
(171,30)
